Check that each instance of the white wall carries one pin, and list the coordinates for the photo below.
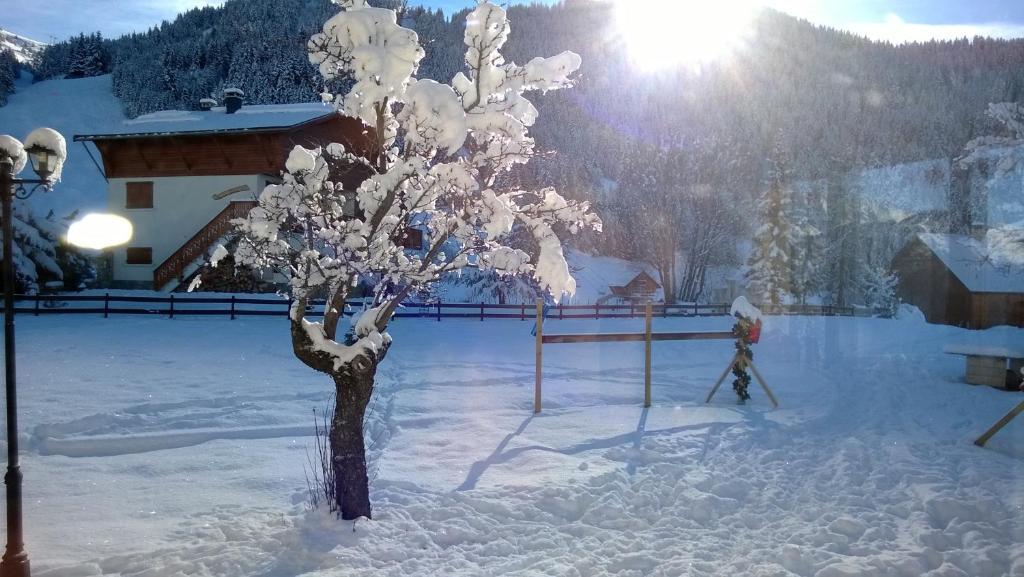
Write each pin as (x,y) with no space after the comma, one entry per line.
(182,205)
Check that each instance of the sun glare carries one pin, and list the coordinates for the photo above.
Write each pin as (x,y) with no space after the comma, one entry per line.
(662,34)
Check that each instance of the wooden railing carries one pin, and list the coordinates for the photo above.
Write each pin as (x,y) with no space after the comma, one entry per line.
(234,306)
(175,264)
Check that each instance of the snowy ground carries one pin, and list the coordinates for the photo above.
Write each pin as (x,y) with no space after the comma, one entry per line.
(158,447)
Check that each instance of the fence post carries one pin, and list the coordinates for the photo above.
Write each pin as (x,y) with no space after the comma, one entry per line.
(438,311)
(561,312)
(597,311)
(232,307)
(481,312)
(539,358)
(106,304)
(288,311)
(37,305)
(647,356)
(522,311)
(172,305)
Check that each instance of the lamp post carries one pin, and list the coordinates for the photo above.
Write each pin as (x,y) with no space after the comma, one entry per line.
(46,151)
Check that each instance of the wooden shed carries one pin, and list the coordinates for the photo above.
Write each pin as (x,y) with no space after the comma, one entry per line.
(961,280)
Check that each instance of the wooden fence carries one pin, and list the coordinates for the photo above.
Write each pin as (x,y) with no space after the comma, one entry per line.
(233,307)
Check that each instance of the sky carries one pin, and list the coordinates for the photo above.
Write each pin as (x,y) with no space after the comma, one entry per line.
(892,20)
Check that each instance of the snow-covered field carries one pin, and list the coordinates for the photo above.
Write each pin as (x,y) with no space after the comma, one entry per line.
(158,447)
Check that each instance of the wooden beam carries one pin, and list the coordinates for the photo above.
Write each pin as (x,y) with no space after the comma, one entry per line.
(718,383)
(224,153)
(999,425)
(540,342)
(636,337)
(181,152)
(138,150)
(764,385)
(647,356)
(263,140)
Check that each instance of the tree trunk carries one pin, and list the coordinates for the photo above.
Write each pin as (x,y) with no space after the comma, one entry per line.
(354,386)
(353,383)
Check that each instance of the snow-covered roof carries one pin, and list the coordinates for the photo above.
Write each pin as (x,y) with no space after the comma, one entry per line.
(250,118)
(993,264)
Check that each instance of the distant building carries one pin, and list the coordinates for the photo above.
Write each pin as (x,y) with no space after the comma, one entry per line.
(640,289)
(969,281)
(181,176)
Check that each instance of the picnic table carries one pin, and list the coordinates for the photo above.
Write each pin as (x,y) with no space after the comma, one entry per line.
(987,365)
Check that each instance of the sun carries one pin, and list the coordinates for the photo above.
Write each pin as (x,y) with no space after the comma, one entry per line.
(662,34)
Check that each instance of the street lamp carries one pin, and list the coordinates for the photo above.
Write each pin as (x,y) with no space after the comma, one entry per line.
(45,149)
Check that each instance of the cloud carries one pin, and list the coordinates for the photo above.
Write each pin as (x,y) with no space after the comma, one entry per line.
(898,31)
(60,19)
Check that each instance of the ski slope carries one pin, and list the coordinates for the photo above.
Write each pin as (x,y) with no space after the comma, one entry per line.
(75,106)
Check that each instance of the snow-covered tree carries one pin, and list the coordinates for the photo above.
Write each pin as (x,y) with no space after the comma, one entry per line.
(36,241)
(436,151)
(878,288)
(770,268)
(807,251)
(88,56)
(9,71)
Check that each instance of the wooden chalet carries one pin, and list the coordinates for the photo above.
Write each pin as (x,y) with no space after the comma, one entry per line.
(961,280)
(640,289)
(181,176)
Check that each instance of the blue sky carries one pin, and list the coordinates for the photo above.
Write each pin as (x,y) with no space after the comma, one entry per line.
(895,20)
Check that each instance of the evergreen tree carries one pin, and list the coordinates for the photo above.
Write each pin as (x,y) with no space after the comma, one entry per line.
(771,266)
(88,57)
(9,71)
(879,288)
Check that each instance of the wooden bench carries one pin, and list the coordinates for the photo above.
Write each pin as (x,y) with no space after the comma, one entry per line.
(987,365)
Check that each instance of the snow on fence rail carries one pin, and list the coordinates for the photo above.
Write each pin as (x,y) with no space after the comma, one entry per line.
(234,306)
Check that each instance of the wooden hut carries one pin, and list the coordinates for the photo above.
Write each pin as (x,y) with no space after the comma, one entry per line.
(969,281)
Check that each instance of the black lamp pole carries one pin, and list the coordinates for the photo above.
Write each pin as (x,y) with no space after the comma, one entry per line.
(15,559)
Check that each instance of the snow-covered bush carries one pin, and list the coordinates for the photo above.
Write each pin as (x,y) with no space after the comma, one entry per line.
(434,156)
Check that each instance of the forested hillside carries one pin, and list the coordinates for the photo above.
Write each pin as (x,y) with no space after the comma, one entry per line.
(674,160)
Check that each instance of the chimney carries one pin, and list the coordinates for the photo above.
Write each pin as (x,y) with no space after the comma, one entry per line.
(207,103)
(979,230)
(233,99)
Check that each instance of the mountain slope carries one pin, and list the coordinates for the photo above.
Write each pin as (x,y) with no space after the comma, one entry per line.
(25,49)
(78,106)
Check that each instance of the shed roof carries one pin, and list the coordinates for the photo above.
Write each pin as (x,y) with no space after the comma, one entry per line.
(993,264)
(254,118)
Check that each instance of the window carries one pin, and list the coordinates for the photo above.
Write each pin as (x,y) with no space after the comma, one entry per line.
(139,195)
(413,239)
(139,255)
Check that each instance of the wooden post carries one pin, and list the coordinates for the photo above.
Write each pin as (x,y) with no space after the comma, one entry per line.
(232,307)
(172,305)
(438,311)
(106,304)
(481,312)
(540,343)
(725,373)
(522,311)
(1002,423)
(597,311)
(764,385)
(647,356)
(37,305)
(561,312)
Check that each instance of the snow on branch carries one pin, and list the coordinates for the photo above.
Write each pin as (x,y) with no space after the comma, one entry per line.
(439,149)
